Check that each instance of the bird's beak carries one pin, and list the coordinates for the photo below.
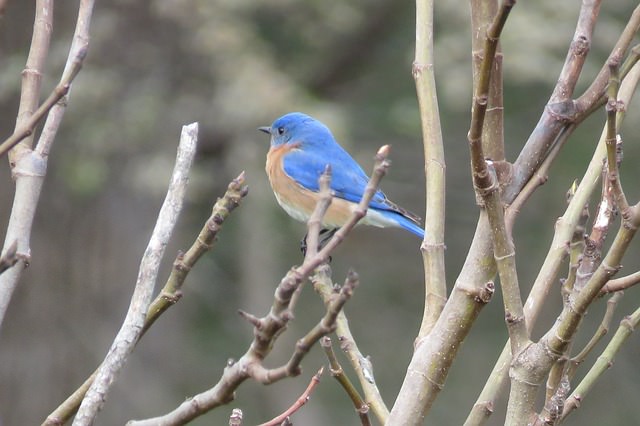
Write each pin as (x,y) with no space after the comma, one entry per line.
(265,129)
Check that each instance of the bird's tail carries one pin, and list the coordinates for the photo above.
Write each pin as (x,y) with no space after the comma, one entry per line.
(409,225)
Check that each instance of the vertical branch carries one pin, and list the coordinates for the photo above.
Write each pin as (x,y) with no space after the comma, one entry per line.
(133,324)
(29,166)
(33,71)
(433,245)
(485,182)
(482,14)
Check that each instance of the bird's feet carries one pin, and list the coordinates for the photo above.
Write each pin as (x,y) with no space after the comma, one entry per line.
(325,235)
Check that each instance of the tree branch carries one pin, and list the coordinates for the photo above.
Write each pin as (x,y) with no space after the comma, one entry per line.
(361,364)
(622,283)
(134,321)
(602,364)
(32,75)
(27,127)
(29,166)
(338,373)
(433,245)
(306,395)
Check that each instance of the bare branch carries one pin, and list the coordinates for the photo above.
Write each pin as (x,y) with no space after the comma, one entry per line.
(550,269)
(326,325)
(306,395)
(602,330)
(29,166)
(433,245)
(134,321)
(622,283)
(33,72)
(338,373)
(28,126)
(361,364)
(604,361)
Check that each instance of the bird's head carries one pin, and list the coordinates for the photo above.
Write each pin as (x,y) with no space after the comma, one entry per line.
(295,127)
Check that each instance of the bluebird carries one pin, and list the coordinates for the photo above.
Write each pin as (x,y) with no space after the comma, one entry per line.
(301,148)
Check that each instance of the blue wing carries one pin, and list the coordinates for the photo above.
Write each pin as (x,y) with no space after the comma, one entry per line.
(348,180)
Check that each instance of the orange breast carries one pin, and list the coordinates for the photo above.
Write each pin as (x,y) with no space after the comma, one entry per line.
(296,200)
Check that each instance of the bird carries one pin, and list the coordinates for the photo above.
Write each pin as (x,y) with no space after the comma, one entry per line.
(301,148)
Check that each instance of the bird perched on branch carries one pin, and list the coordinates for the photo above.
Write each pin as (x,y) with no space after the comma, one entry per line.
(301,148)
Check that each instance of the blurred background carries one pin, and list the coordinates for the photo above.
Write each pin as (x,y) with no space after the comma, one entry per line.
(233,66)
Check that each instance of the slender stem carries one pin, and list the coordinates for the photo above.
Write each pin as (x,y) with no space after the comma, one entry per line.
(360,363)
(602,364)
(338,373)
(433,245)
(306,395)
(33,72)
(133,324)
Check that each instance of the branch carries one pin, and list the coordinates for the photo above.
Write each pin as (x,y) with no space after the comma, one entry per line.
(486,185)
(622,283)
(602,330)
(29,166)
(171,293)
(133,324)
(597,88)
(306,395)
(61,90)
(627,326)
(338,373)
(33,72)
(433,245)
(326,325)
(560,115)
(361,364)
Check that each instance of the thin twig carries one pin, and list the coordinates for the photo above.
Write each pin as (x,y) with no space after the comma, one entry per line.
(325,326)
(360,363)
(602,364)
(306,395)
(338,373)
(602,330)
(133,324)
(33,72)
(485,182)
(27,127)
(622,283)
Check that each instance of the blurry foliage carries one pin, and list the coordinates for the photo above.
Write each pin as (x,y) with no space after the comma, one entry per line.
(234,65)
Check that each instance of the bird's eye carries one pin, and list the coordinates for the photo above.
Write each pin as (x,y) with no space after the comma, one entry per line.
(280,130)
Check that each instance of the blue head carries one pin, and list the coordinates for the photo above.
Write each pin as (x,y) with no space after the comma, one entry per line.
(297,127)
